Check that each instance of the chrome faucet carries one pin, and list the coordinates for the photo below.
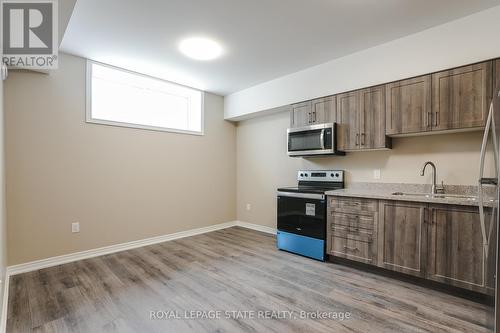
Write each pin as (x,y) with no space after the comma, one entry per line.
(435,189)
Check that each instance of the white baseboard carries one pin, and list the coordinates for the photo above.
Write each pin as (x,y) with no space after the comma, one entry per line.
(59,260)
(67,258)
(257,227)
(3,318)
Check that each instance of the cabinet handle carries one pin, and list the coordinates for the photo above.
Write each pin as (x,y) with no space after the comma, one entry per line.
(429,119)
(357,140)
(437,119)
(314,116)
(310,118)
(353,249)
(363,137)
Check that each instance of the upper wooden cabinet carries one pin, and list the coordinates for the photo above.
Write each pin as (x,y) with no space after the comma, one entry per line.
(324,110)
(496,90)
(409,106)
(348,121)
(372,119)
(318,111)
(361,118)
(461,97)
(449,100)
(300,115)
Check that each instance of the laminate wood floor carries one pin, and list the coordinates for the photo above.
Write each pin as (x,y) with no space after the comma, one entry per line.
(229,270)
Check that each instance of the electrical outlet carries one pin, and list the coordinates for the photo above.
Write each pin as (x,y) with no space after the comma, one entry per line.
(376,174)
(249,206)
(75,227)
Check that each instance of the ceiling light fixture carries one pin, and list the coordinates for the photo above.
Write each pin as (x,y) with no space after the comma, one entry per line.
(200,48)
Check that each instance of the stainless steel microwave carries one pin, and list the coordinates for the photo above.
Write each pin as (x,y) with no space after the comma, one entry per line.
(313,140)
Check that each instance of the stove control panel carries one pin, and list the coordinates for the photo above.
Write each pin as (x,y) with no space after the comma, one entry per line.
(321,176)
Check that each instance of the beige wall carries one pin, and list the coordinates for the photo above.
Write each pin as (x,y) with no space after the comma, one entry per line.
(121,184)
(263,165)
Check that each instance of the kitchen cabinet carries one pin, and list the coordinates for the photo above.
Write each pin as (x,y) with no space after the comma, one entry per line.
(348,121)
(372,119)
(300,115)
(496,90)
(455,99)
(361,118)
(456,255)
(461,97)
(409,107)
(403,237)
(352,229)
(318,111)
(437,242)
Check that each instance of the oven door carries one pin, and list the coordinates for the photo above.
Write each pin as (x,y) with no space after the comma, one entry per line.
(302,214)
(311,140)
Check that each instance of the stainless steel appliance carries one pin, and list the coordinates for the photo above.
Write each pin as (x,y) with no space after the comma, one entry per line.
(313,140)
(302,212)
(491,139)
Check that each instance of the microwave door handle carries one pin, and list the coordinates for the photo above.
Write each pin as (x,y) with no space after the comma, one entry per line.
(322,138)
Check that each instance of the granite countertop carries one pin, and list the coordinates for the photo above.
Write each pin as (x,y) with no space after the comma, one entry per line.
(386,191)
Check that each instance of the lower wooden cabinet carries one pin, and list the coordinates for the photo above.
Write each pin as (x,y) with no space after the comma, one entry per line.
(352,229)
(456,253)
(403,237)
(442,243)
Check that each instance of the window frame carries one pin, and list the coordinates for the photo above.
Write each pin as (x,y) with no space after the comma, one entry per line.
(88,104)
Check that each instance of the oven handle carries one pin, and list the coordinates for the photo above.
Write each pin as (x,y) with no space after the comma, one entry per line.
(302,195)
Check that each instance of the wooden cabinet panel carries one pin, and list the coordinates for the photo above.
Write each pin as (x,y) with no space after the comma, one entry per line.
(352,229)
(496,90)
(372,119)
(461,96)
(361,118)
(324,110)
(403,237)
(409,106)
(348,120)
(318,111)
(456,254)
(300,115)
(353,205)
(441,242)
(350,248)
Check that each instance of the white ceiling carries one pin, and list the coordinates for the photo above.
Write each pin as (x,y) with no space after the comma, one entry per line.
(264,39)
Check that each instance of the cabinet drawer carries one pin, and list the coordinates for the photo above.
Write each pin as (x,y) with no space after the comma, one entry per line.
(365,235)
(351,249)
(353,204)
(353,221)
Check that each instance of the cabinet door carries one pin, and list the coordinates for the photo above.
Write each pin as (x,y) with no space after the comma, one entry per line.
(348,121)
(456,254)
(409,106)
(403,237)
(461,97)
(496,91)
(324,110)
(372,119)
(301,114)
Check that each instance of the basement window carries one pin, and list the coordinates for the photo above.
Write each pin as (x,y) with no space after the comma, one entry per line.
(119,97)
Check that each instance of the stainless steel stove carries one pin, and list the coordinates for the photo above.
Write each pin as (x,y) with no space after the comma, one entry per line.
(302,212)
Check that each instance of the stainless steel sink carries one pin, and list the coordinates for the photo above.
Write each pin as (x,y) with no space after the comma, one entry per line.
(440,196)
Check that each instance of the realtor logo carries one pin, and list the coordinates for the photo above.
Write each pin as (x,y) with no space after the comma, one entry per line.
(29,36)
